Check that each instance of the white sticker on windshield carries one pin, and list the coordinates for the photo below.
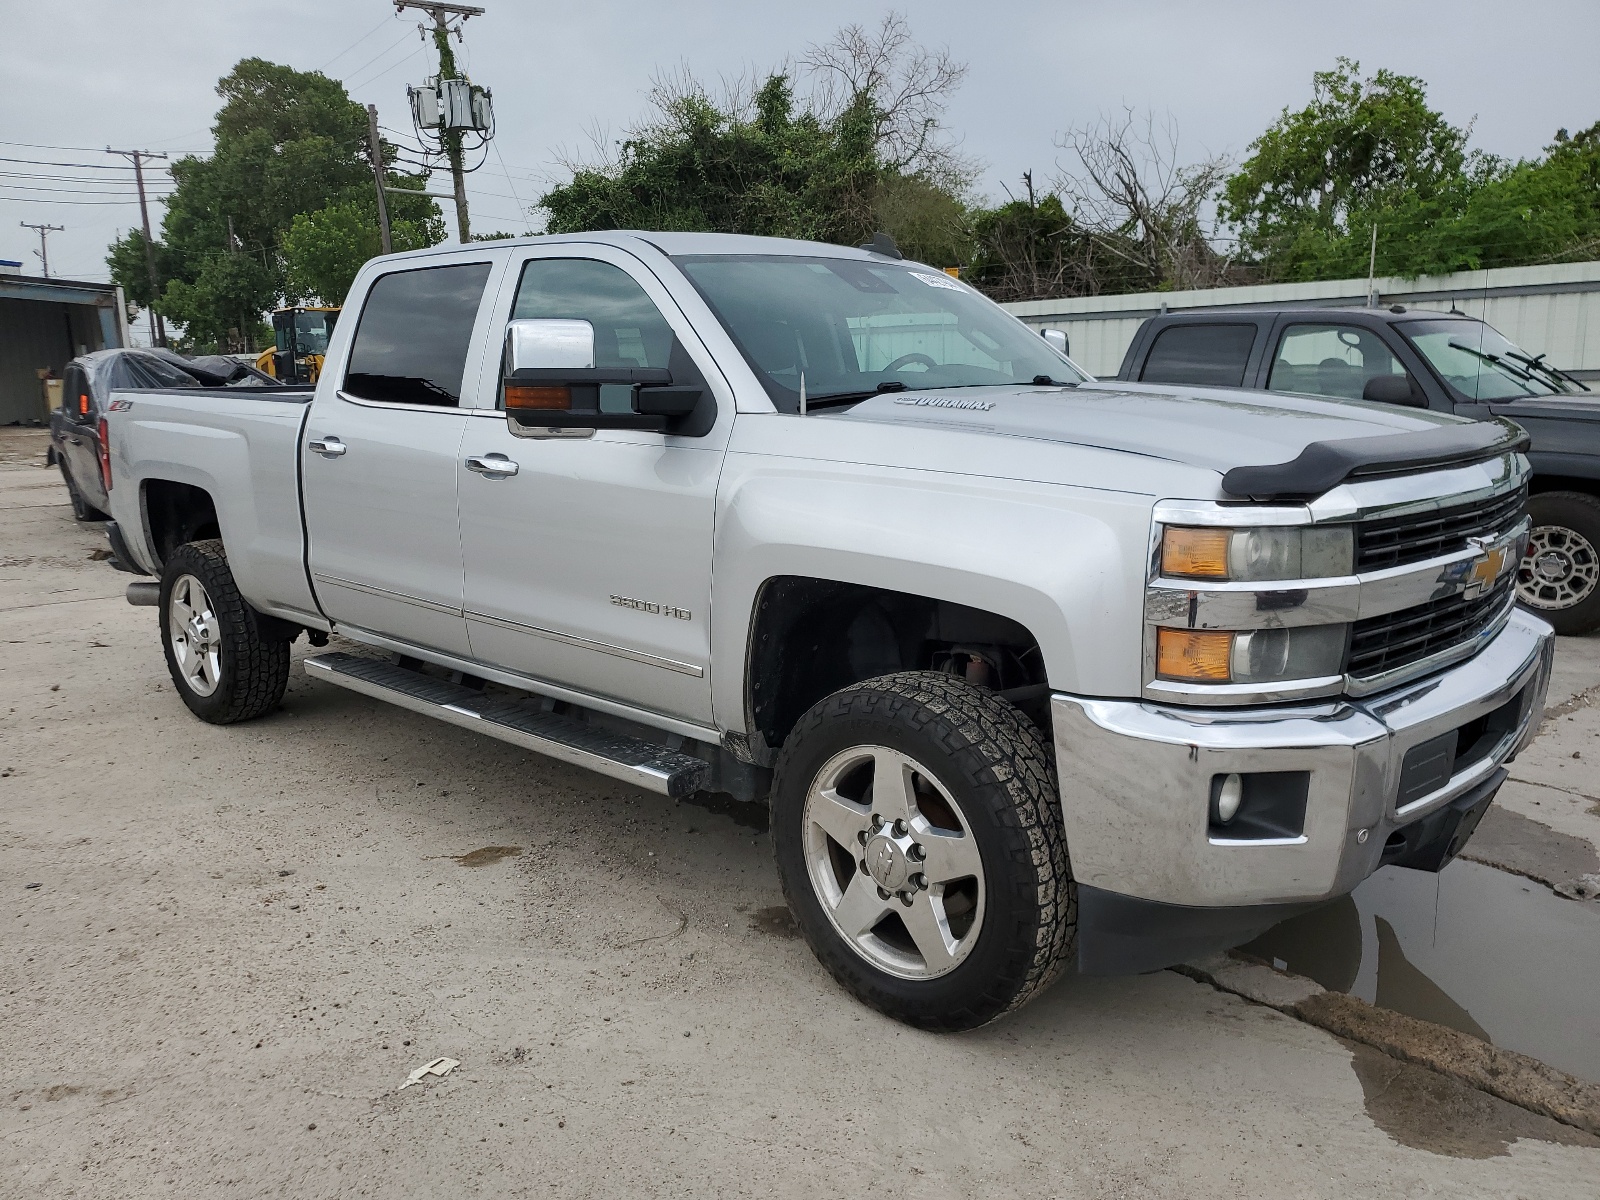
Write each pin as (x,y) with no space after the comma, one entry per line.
(938,281)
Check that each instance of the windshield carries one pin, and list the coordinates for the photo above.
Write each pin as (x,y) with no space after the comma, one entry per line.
(847,328)
(311,332)
(1479,363)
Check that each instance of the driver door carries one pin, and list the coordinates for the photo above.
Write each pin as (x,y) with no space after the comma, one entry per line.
(587,558)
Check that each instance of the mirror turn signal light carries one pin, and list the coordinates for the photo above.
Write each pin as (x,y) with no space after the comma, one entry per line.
(521,397)
(1195,553)
(1195,655)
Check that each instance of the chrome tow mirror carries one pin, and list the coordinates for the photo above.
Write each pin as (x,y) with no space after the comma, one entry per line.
(551,381)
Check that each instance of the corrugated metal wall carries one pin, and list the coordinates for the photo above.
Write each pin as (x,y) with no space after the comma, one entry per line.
(35,334)
(1554,309)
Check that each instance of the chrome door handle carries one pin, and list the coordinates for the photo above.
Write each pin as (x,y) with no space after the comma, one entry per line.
(328,447)
(494,466)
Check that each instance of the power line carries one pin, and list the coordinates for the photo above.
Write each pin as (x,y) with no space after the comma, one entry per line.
(39,162)
(350,75)
(45,200)
(355,43)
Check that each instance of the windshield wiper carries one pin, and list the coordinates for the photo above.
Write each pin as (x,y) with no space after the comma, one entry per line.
(835,399)
(1537,363)
(1046,381)
(1494,360)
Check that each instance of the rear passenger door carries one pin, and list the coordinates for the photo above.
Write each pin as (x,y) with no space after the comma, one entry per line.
(1209,354)
(379,460)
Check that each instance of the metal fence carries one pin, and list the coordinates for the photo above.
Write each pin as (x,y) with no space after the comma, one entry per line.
(1553,309)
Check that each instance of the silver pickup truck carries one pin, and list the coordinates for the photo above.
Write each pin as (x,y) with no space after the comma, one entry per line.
(1033,671)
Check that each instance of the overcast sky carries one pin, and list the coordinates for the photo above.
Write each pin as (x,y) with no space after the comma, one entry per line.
(82,74)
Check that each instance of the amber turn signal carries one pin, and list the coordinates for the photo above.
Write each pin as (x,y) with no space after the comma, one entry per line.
(1195,655)
(521,397)
(1195,553)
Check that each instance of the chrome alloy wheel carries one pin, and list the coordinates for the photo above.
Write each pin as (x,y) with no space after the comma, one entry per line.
(1560,569)
(196,640)
(893,862)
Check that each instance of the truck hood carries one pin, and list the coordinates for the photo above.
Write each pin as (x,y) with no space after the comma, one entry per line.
(1213,429)
(1579,407)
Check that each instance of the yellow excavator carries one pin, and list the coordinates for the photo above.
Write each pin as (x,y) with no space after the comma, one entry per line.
(300,336)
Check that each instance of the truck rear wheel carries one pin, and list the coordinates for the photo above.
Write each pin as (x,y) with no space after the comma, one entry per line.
(919,842)
(81,508)
(1559,577)
(223,667)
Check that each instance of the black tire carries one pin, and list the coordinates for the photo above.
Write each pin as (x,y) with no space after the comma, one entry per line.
(996,766)
(253,670)
(81,508)
(1559,579)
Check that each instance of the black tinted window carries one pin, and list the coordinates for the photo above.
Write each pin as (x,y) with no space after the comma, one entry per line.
(411,343)
(1205,355)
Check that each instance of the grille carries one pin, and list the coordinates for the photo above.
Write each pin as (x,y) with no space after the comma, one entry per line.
(1396,541)
(1395,640)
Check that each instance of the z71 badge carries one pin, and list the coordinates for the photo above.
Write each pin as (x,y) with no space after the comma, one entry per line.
(660,610)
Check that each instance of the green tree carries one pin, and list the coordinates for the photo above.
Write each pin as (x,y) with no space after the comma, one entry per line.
(130,268)
(863,151)
(322,251)
(1364,149)
(287,143)
(1029,249)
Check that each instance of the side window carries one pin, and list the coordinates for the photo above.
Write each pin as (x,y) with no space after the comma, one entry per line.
(76,400)
(629,330)
(1205,355)
(412,339)
(1330,360)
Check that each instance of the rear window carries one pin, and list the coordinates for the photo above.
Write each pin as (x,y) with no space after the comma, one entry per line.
(411,344)
(1204,355)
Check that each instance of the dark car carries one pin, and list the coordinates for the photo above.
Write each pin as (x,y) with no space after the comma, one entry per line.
(86,386)
(1444,361)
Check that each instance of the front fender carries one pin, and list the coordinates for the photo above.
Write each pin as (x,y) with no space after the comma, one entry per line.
(1067,563)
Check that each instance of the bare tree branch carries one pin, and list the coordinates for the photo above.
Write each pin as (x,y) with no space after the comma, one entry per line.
(909,86)
(1144,208)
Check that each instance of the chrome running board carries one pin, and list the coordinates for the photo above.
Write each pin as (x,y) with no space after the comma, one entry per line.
(632,760)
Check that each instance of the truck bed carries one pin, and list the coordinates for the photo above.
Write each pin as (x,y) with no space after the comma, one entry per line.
(241,446)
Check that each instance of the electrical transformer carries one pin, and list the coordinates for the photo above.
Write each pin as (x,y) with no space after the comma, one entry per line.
(424,105)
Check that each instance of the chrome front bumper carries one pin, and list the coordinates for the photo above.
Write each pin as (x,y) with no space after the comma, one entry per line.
(1136,778)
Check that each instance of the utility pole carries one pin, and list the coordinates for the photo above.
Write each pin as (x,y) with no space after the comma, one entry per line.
(44,232)
(441,14)
(1372,269)
(375,152)
(158,327)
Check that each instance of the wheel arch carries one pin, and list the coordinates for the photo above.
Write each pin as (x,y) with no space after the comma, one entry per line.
(173,513)
(811,636)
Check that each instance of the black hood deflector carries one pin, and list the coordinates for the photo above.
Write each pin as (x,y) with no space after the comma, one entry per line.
(1322,466)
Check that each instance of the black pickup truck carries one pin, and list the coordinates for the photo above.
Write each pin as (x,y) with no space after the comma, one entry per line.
(1444,361)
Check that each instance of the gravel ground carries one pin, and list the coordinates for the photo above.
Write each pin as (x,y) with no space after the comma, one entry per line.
(225,950)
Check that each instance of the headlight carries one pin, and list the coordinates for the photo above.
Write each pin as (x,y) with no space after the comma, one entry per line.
(1269,552)
(1251,656)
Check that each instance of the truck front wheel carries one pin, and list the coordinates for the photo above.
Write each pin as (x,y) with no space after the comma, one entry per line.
(223,667)
(918,838)
(1559,577)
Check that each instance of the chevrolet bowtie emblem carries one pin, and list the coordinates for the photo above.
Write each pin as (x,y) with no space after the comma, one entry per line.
(1487,567)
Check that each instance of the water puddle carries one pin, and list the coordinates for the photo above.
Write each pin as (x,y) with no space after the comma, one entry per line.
(1491,954)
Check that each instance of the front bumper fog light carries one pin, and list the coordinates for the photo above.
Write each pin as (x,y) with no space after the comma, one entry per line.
(1229,796)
